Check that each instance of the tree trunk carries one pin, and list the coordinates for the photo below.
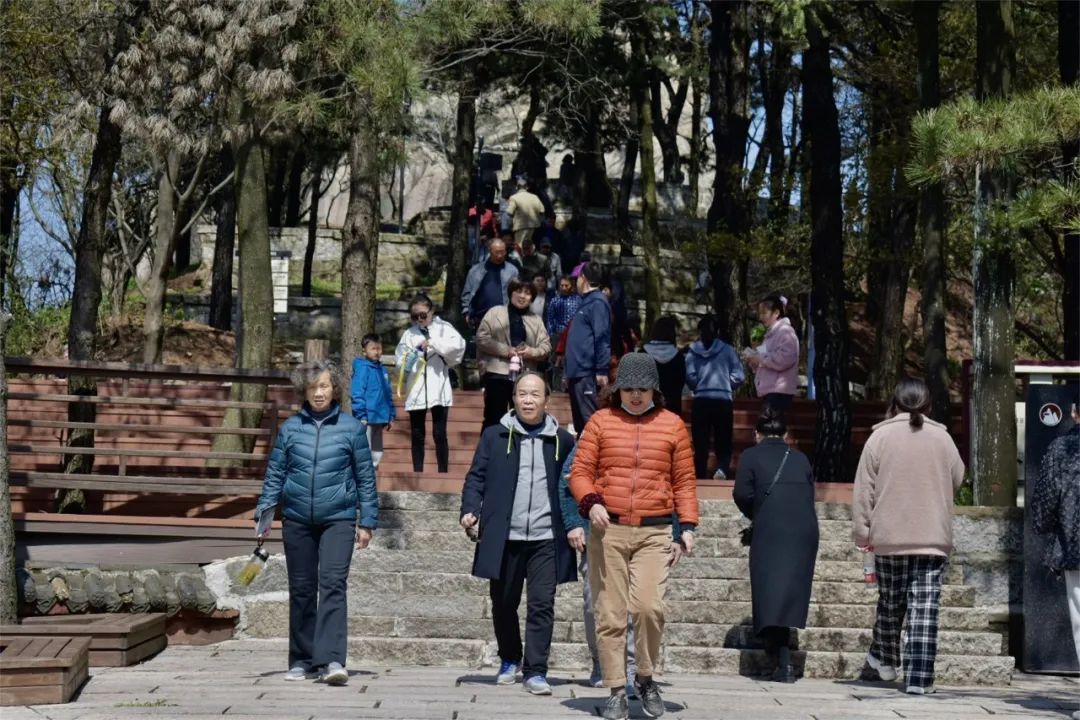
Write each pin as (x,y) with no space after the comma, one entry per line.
(650,223)
(9,200)
(221,289)
(822,130)
(993,437)
(296,188)
(666,131)
(463,162)
(932,223)
(9,596)
(1068,61)
(256,336)
(279,162)
(729,88)
(696,150)
(779,79)
(312,229)
(879,191)
(359,247)
(164,239)
(86,295)
(890,340)
(626,189)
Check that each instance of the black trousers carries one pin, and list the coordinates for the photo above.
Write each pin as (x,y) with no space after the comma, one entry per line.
(583,400)
(711,423)
(317,559)
(534,560)
(498,392)
(777,644)
(417,422)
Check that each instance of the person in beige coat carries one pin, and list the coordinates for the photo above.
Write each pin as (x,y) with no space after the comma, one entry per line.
(902,512)
(509,340)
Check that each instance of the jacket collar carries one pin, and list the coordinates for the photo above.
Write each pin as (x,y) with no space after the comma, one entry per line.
(332,415)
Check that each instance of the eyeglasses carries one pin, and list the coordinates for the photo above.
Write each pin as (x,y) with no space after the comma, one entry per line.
(419,316)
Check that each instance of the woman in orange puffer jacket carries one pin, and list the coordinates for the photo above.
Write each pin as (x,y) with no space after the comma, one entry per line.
(634,472)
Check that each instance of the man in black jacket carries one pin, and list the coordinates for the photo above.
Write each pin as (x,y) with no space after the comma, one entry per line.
(588,347)
(510,502)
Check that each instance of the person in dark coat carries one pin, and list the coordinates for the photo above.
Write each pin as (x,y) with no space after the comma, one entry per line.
(510,503)
(774,487)
(670,361)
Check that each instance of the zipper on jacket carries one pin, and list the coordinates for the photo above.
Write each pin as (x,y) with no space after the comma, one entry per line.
(314,462)
(528,513)
(637,465)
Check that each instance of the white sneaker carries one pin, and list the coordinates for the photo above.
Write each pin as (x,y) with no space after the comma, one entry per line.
(335,674)
(886,672)
(719,475)
(299,673)
(917,690)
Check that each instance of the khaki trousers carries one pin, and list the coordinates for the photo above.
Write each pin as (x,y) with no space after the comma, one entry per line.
(628,572)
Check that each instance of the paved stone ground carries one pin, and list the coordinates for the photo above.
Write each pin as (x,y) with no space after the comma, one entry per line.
(242,679)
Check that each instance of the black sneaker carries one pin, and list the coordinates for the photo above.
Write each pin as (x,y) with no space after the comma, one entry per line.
(617,708)
(651,702)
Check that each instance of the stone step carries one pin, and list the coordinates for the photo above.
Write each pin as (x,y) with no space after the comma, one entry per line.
(725,547)
(711,525)
(420,501)
(950,642)
(453,561)
(392,651)
(449,585)
(459,562)
(949,669)
(268,616)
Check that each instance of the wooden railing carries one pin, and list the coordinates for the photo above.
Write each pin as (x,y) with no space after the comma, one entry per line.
(139,470)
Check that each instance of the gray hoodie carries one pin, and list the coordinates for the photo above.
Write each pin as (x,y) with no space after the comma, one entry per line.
(531,515)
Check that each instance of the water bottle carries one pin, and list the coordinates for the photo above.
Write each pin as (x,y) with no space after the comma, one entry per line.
(869,570)
(515,367)
(412,359)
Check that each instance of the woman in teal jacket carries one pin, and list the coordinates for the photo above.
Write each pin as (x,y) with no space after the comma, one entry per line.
(320,471)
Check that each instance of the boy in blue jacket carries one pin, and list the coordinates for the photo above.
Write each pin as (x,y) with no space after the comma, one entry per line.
(713,372)
(371,395)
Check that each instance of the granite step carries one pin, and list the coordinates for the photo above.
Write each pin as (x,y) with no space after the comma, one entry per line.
(950,642)
(394,651)
(452,585)
(711,525)
(419,501)
(460,560)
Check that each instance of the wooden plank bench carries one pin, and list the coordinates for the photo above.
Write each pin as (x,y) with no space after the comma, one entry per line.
(116,639)
(36,670)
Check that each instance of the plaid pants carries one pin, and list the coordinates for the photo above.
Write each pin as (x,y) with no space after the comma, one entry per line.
(908,585)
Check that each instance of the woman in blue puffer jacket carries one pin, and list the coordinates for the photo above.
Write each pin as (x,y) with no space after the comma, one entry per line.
(320,471)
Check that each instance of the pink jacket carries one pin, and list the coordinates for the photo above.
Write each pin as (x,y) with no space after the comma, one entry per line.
(779,369)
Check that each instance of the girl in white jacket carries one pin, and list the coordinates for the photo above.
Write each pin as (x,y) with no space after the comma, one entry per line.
(426,352)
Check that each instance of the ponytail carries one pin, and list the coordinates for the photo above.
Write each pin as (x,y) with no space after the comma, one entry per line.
(913,397)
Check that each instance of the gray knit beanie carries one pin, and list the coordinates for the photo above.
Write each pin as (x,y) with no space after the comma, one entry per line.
(637,370)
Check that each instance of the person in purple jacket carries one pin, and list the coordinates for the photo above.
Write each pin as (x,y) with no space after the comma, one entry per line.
(776,361)
(371,396)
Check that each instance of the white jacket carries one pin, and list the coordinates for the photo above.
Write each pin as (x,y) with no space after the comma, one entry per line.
(445,350)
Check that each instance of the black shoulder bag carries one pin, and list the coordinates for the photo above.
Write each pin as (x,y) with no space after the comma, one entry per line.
(746,535)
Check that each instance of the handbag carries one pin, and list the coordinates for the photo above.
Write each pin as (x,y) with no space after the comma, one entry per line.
(746,535)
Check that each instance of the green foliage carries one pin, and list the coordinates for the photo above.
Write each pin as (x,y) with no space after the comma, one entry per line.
(995,135)
(42,331)
(965,494)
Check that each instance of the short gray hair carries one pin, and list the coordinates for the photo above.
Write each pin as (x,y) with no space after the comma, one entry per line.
(309,372)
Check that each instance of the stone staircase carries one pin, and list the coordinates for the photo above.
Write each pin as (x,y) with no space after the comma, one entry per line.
(413,602)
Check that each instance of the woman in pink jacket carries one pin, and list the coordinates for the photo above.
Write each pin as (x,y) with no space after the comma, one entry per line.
(776,361)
